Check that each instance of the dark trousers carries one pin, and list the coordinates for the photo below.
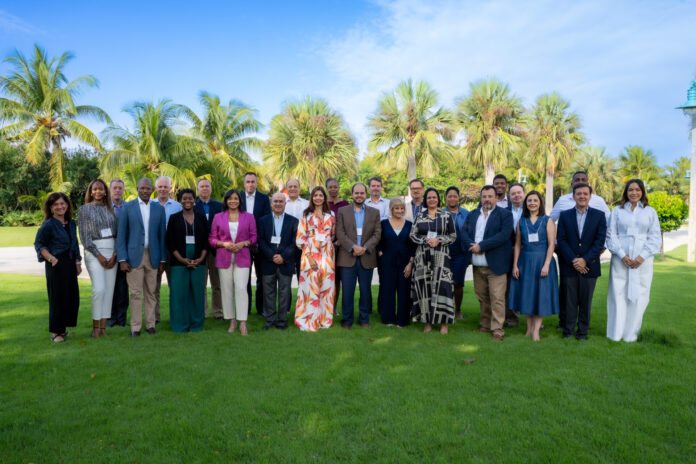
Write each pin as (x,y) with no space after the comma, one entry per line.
(278,285)
(561,303)
(395,290)
(578,303)
(511,317)
(119,304)
(63,294)
(349,275)
(256,261)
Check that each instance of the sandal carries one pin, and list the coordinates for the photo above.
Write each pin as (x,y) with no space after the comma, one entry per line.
(243,328)
(233,326)
(95,329)
(55,336)
(102,330)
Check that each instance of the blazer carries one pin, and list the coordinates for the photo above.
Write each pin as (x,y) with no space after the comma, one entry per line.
(347,236)
(214,208)
(130,241)
(262,205)
(52,236)
(496,241)
(396,250)
(588,246)
(176,236)
(220,232)
(286,248)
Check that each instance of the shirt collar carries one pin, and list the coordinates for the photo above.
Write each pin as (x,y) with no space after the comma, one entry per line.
(627,205)
(282,215)
(141,202)
(577,211)
(252,195)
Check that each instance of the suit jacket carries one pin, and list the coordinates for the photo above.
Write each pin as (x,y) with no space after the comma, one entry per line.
(347,236)
(214,207)
(396,250)
(220,232)
(286,248)
(496,241)
(131,234)
(262,205)
(588,246)
(176,236)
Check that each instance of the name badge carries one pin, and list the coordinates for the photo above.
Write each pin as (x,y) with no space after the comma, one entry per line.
(533,237)
(359,231)
(322,237)
(106,233)
(431,234)
(207,216)
(275,240)
(190,240)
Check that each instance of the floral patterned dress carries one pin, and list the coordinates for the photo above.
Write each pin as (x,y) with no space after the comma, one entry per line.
(315,293)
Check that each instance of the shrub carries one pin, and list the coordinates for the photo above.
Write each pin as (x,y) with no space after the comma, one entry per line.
(22,218)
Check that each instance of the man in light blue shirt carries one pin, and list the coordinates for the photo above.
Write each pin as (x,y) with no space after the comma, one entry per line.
(376,200)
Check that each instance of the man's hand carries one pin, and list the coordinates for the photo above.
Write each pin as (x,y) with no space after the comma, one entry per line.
(125,266)
(277,259)
(160,268)
(475,248)
(358,250)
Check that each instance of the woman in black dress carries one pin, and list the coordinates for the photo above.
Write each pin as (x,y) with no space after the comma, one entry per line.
(56,245)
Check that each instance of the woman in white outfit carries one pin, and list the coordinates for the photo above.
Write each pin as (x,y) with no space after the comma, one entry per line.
(97,225)
(633,238)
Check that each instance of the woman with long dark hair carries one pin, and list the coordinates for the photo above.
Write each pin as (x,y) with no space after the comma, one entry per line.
(315,293)
(98,226)
(633,237)
(56,245)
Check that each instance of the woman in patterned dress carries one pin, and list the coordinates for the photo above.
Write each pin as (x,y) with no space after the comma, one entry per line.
(315,293)
(431,285)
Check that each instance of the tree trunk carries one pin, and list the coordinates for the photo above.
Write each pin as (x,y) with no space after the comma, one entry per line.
(662,247)
(56,167)
(549,191)
(489,173)
(412,163)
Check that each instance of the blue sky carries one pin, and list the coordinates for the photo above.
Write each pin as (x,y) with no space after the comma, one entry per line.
(624,65)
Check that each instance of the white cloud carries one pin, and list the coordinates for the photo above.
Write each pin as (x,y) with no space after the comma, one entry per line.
(624,65)
(11,23)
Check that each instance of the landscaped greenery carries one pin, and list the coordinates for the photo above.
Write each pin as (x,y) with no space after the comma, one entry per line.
(17,236)
(364,395)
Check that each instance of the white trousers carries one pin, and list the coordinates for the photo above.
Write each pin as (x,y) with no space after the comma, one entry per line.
(233,287)
(625,317)
(103,280)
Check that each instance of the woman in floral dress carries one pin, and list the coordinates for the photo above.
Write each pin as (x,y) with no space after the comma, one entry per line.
(315,293)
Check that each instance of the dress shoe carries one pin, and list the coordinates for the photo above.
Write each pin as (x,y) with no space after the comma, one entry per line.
(581,337)
(345,326)
(498,337)
(151,331)
(135,334)
(282,327)
(219,318)
(365,325)
(567,335)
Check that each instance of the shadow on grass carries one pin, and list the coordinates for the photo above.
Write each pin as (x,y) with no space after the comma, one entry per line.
(656,337)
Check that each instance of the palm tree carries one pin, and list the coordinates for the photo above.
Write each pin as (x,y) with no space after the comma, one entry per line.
(492,118)
(310,141)
(39,109)
(675,176)
(554,136)
(408,130)
(229,134)
(601,171)
(156,146)
(637,163)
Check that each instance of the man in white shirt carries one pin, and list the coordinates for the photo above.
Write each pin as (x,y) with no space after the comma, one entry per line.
(500,183)
(566,201)
(295,205)
(259,205)
(376,200)
(163,186)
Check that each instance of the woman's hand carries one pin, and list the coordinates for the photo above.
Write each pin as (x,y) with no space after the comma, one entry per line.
(545,270)
(407,270)
(637,262)
(515,272)
(79,268)
(628,262)
(433,242)
(112,261)
(53,260)
(103,261)
(312,263)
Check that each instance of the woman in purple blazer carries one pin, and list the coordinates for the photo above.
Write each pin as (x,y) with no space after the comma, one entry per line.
(232,233)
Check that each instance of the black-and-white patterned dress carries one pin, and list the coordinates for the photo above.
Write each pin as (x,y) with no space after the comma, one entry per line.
(431,282)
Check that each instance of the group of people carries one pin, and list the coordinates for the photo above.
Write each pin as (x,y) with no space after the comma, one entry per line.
(421,246)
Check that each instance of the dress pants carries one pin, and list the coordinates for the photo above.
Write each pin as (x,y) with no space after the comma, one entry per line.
(349,276)
(103,280)
(216,300)
(511,317)
(279,285)
(167,270)
(490,291)
(63,293)
(578,303)
(119,303)
(235,304)
(142,282)
(256,261)
(394,305)
(187,296)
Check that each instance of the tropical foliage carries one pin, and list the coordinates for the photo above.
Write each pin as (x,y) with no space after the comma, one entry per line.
(671,210)
(638,163)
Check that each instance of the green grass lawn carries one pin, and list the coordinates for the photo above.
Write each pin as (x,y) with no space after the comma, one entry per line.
(364,395)
(17,236)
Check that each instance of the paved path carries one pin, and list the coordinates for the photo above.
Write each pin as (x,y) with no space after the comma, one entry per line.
(22,260)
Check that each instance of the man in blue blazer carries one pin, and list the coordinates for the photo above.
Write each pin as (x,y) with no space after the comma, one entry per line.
(209,208)
(256,203)
(276,238)
(141,253)
(487,245)
(581,235)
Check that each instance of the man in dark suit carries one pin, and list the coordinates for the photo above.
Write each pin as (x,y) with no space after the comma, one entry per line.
(142,253)
(276,238)
(581,235)
(486,243)
(358,230)
(209,208)
(256,203)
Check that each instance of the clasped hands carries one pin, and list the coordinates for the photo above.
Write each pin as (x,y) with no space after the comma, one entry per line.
(432,242)
(107,263)
(632,263)
(233,247)
(277,259)
(358,250)
(580,265)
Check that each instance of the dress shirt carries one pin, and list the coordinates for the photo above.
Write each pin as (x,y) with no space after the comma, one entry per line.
(206,209)
(359,219)
(296,208)
(516,215)
(580,217)
(250,198)
(278,224)
(566,202)
(170,207)
(416,209)
(382,205)
(502,203)
(145,214)
(117,209)
(479,259)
